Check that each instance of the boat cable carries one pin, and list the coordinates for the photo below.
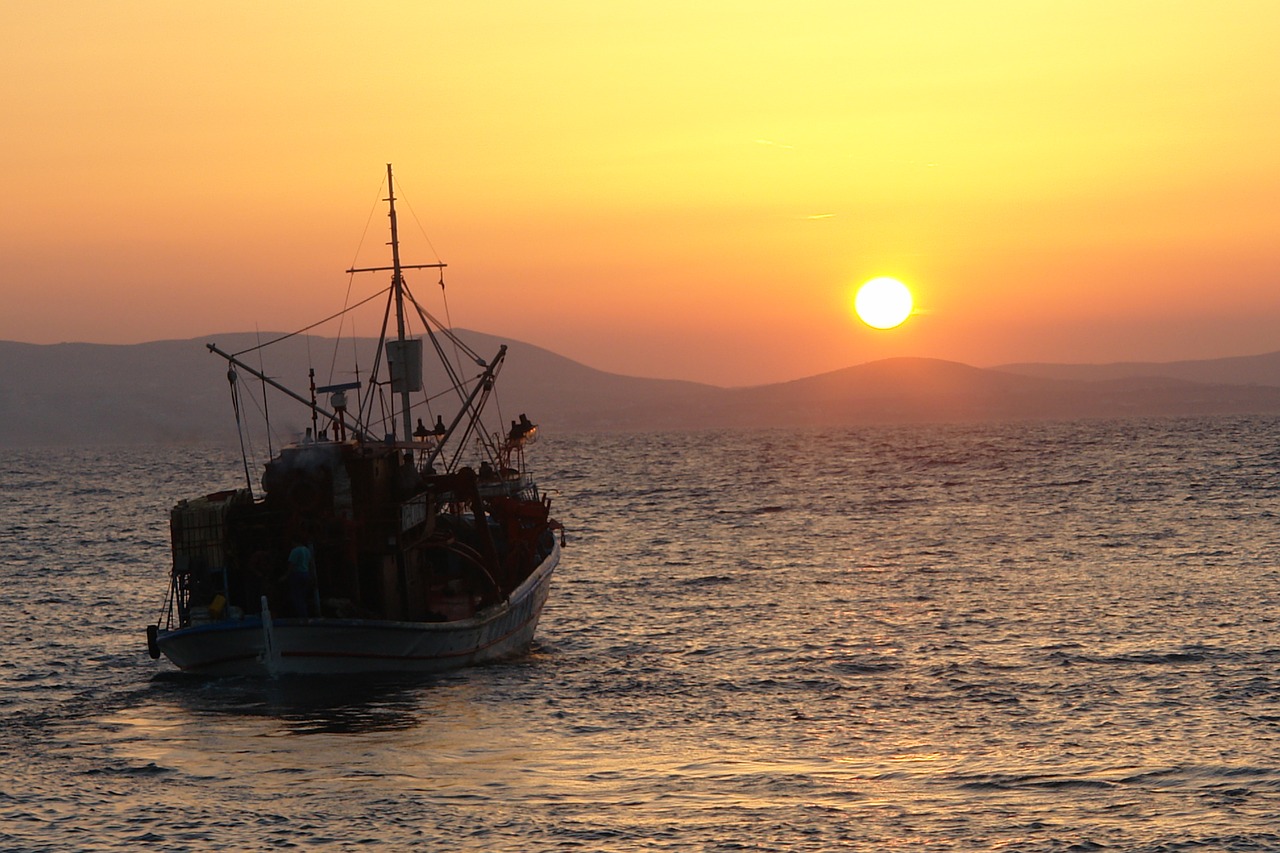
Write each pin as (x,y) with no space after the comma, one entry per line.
(410,332)
(243,392)
(404,197)
(456,384)
(454,373)
(460,385)
(375,389)
(306,329)
(475,408)
(235,406)
(446,329)
(447,326)
(365,407)
(351,278)
(444,298)
(455,369)
(427,396)
(266,412)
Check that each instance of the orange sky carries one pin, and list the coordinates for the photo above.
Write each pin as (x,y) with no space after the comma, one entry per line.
(660,188)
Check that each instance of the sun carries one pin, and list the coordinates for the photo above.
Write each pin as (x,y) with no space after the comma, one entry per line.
(883,303)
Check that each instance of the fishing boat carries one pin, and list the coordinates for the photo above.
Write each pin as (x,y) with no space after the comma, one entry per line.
(371,545)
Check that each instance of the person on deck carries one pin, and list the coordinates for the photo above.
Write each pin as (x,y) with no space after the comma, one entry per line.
(301,580)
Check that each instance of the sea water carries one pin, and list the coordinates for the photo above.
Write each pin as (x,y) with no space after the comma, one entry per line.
(1016,637)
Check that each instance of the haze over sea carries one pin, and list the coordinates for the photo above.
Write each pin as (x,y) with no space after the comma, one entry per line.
(1048,636)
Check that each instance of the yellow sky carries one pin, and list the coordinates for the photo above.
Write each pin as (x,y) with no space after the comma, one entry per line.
(660,188)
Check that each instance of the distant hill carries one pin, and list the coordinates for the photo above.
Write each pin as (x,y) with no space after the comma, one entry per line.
(177,392)
(1239,370)
(917,390)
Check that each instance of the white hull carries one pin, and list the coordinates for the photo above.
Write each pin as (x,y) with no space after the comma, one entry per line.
(320,646)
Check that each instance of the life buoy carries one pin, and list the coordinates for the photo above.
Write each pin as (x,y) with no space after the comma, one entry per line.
(153,644)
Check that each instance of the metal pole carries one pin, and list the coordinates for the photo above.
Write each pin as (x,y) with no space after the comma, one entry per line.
(398,284)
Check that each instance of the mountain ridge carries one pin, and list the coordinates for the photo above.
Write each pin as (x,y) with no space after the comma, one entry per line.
(1262,369)
(174,391)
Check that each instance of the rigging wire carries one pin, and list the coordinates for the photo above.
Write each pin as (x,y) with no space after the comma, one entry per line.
(444,299)
(377,360)
(411,331)
(266,412)
(260,405)
(404,197)
(337,342)
(489,442)
(447,331)
(235,407)
(306,329)
(351,277)
(444,296)
(454,367)
(422,314)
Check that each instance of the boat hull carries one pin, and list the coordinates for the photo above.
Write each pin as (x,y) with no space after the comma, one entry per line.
(262,646)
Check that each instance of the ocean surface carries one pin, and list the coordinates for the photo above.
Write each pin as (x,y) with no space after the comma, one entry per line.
(1017,637)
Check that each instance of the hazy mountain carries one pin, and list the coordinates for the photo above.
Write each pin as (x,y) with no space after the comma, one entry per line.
(1240,370)
(904,390)
(177,392)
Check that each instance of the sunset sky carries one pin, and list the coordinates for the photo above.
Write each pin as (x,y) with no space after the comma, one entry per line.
(667,189)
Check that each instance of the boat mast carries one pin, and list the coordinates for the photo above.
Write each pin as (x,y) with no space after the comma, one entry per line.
(397,286)
(397,283)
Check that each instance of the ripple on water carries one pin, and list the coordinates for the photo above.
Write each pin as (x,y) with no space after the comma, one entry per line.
(945,638)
